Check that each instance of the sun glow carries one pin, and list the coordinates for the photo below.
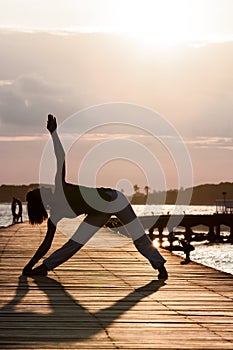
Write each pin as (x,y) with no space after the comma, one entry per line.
(163,22)
(156,243)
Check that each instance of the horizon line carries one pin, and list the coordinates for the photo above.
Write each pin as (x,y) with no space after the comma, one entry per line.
(153,189)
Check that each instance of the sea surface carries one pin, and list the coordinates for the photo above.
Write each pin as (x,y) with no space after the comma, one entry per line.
(218,256)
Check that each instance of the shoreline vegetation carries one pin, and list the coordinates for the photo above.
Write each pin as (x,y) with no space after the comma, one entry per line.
(205,194)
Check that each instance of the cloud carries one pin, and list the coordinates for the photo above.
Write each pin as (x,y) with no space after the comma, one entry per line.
(44,72)
(25,102)
(211,142)
(5,82)
(23,138)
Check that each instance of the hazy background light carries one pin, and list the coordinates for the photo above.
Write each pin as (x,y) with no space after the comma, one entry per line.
(60,56)
(157,21)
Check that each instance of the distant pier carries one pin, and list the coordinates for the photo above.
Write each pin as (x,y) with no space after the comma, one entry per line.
(156,226)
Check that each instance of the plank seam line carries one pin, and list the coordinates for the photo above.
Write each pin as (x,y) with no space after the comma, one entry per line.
(162,303)
(7,242)
(209,289)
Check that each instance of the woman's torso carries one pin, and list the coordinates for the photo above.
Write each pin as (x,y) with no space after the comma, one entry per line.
(71,200)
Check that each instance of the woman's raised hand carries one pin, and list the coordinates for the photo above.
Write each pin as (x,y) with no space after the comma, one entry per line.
(51,123)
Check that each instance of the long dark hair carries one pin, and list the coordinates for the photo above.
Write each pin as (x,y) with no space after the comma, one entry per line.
(36,210)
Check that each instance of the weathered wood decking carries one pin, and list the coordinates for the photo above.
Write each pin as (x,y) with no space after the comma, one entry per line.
(110,299)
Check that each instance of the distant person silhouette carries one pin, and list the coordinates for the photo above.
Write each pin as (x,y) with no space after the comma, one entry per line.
(69,200)
(13,210)
(17,210)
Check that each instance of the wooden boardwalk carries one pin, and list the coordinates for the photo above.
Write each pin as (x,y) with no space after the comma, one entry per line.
(109,299)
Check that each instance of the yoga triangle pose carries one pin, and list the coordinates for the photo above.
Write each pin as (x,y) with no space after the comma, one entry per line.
(69,201)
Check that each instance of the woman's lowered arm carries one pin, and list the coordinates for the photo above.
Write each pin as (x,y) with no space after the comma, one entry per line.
(43,248)
(60,175)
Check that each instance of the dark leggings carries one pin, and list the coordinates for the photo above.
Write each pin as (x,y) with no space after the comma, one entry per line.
(121,208)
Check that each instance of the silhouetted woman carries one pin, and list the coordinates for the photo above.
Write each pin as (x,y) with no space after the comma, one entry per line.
(69,201)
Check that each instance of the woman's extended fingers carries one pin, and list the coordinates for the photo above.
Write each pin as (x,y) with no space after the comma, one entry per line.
(51,123)
(51,118)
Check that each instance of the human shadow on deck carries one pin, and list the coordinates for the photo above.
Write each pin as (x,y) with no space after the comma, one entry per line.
(68,320)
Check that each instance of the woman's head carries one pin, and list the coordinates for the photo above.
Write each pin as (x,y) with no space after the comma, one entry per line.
(36,210)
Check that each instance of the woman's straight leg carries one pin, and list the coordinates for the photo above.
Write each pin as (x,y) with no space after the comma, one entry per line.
(135,229)
(88,227)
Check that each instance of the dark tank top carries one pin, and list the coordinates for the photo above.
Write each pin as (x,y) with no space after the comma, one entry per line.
(72,200)
(86,200)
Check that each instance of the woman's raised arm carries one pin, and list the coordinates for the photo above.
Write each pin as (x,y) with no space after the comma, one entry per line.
(58,148)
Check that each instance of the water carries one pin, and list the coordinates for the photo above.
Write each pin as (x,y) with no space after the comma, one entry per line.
(218,256)
(174,209)
(6,215)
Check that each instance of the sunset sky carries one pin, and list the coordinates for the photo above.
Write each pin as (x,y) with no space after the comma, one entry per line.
(174,57)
